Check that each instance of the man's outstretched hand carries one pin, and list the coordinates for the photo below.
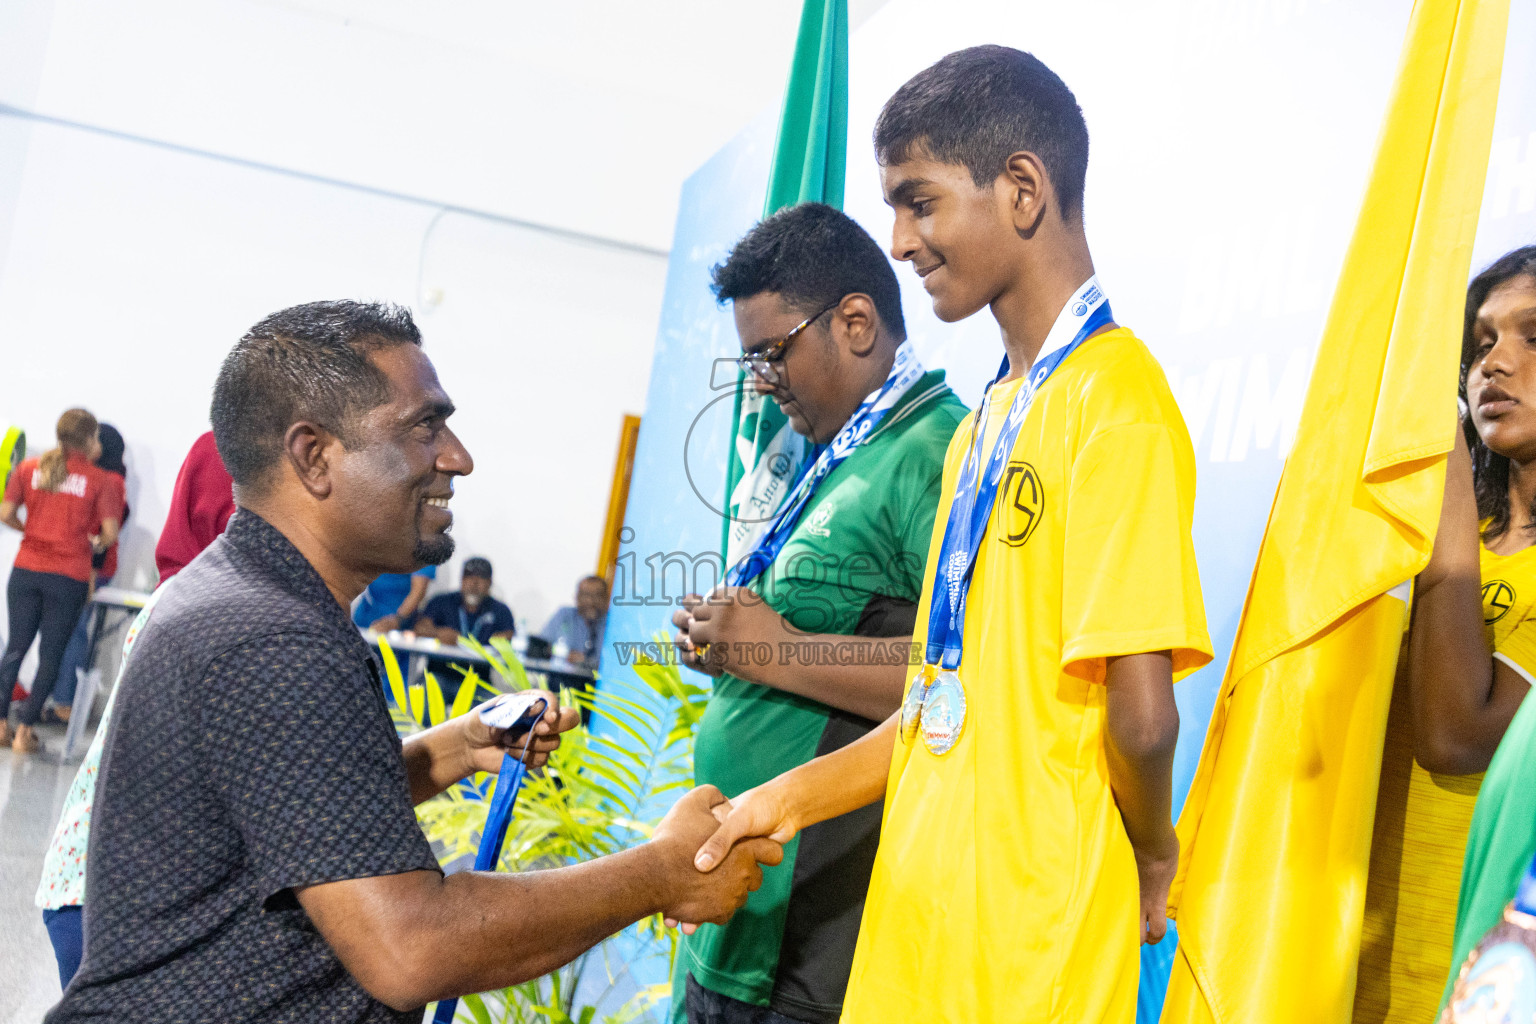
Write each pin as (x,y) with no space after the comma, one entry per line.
(758,815)
(485,746)
(693,895)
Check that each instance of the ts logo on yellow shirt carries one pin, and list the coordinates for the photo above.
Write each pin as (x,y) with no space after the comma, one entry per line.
(1022,503)
(1498,598)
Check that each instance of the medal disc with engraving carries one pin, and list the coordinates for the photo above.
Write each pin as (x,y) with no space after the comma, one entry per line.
(1500,987)
(943,716)
(912,706)
(1497,985)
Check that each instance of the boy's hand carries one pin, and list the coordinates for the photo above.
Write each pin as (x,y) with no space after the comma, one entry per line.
(695,654)
(719,627)
(1155,873)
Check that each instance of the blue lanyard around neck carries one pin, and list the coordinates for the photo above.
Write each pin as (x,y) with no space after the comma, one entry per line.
(970,510)
(905,371)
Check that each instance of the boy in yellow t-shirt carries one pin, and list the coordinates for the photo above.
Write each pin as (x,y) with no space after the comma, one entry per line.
(1027,845)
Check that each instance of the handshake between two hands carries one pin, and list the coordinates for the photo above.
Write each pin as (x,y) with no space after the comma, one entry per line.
(708,850)
(713,849)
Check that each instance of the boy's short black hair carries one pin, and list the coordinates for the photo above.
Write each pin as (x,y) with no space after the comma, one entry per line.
(812,255)
(976,107)
(307,362)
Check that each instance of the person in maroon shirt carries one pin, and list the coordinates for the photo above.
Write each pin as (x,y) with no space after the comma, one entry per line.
(201,505)
(73,510)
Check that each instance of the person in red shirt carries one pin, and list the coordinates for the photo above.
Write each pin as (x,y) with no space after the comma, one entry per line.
(105,565)
(73,510)
(201,504)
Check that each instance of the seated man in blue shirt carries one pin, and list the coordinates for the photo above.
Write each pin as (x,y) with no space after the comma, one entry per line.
(582,627)
(391,600)
(469,611)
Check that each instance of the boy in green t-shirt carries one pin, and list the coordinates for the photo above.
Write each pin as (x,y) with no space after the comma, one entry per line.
(811,650)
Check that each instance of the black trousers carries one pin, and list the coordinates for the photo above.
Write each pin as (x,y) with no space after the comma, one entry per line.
(706,1007)
(40,602)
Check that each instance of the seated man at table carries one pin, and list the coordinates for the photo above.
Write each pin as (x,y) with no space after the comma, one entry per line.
(581,626)
(469,611)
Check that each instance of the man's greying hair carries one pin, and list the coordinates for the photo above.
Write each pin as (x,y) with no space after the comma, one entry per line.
(811,255)
(309,362)
(977,107)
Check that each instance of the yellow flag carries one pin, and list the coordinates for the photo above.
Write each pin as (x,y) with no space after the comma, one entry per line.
(1276,831)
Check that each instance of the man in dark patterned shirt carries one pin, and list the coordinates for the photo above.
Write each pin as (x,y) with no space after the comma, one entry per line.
(254,854)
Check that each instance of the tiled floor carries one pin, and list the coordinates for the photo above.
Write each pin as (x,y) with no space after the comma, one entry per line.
(32,790)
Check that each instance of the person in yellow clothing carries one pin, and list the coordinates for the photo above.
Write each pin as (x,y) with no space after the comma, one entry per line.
(1454,702)
(1027,845)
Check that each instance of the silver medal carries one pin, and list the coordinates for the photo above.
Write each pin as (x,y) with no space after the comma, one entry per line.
(943,715)
(912,706)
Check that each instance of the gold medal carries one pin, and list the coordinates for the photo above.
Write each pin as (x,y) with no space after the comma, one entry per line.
(912,706)
(943,713)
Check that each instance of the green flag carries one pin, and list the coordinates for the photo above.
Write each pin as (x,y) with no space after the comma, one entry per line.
(809,164)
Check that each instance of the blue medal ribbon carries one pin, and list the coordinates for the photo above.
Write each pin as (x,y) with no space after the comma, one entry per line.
(497,818)
(971,509)
(905,371)
(1525,895)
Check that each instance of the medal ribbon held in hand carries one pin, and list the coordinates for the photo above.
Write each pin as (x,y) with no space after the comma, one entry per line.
(935,701)
(905,371)
(508,782)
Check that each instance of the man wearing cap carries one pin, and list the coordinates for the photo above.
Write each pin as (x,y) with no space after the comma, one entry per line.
(469,611)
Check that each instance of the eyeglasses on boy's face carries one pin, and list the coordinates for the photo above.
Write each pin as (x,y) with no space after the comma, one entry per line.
(765,363)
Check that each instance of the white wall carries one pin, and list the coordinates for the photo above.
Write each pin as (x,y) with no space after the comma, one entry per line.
(130,269)
(586,114)
(171,170)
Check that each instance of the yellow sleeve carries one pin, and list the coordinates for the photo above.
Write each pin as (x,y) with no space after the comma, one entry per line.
(1518,650)
(1129,579)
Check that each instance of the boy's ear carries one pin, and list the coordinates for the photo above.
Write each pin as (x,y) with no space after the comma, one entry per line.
(1027,191)
(857,314)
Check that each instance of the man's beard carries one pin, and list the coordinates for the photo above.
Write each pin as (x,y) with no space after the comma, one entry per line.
(434,550)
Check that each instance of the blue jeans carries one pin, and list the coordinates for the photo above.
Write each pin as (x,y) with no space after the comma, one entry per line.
(74,654)
(74,657)
(67,933)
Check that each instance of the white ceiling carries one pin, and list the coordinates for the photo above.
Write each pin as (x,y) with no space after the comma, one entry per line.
(584,115)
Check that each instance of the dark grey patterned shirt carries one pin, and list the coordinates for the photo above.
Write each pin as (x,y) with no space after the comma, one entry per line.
(250,752)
